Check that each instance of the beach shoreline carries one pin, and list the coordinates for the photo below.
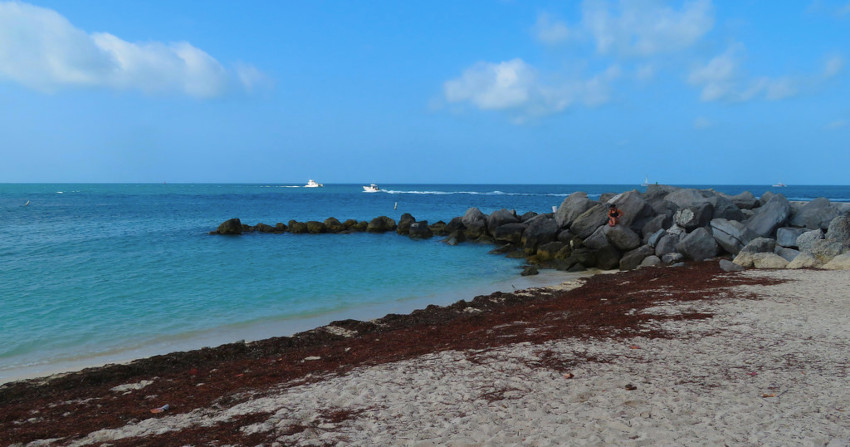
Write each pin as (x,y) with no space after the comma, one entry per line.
(284,327)
(356,382)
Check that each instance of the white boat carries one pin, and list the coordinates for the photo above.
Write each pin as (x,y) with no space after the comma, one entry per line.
(312,184)
(779,185)
(645,181)
(371,188)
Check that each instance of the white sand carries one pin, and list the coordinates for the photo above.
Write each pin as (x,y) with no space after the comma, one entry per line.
(761,372)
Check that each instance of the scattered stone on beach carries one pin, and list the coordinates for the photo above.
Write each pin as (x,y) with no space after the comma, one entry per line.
(840,262)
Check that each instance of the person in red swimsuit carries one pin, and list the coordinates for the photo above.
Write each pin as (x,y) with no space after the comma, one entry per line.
(613,215)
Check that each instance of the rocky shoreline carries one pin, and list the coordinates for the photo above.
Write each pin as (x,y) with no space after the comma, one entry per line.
(665,225)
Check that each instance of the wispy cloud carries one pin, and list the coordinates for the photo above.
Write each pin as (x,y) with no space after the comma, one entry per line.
(722,79)
(516,86)
(549,30)
(41,49)
(645,27)
(834,65)
(640,29)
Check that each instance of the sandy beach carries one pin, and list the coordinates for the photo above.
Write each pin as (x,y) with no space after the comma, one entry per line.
(655,356)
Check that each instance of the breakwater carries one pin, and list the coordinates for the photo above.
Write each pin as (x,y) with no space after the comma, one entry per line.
(665,225)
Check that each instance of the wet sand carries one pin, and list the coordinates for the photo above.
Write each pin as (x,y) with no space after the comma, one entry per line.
(656,356)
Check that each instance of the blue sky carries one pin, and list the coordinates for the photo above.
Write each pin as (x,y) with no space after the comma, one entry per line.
(693,92)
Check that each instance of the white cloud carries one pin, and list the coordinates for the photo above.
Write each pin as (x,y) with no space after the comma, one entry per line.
(645,72)
(516,86)
(252,78)
(833,66)
(493,86)
(717,76)
(41,49)
(722,80)
(550,31)
(645,27)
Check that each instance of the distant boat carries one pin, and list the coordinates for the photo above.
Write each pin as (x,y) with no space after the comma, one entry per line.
(779,185)
(312,184)
(645,181)
(371,188)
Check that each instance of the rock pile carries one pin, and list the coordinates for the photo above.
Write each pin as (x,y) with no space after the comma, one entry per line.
(666,225)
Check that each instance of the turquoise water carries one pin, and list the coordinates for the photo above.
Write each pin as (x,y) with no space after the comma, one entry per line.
(92,272)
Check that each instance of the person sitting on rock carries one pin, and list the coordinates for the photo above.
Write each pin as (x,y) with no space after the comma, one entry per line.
(613,215)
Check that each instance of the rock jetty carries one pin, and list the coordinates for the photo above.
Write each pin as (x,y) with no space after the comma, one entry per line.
(665,225)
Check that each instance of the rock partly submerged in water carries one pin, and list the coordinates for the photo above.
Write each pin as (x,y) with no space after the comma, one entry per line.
(665,224)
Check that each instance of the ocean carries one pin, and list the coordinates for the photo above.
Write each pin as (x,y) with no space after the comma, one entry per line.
(97,273)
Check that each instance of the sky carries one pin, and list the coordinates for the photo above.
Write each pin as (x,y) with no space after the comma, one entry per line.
(474,91)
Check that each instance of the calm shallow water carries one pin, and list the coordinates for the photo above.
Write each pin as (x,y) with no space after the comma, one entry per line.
(92,272)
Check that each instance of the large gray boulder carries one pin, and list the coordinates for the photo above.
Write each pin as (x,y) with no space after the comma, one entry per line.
(622,237)
(334,225)
(684,198)
(632,259)
(803,261)
(230,226)
(474,222)
(694,216)
(729,266)
(839,230)
(698,245)
(316,227)
(573,206)
(667,244)
(655,193)
(815,214)
(764,198)
(745,200)
(420,230)
(653,238)
(607,258)
(511,232)
(824,250)
(769,261)
(539,232)
(770,216)
(724,208)
(404,222)
(499,218)
(455,225)
(659,222)
(633,207)
(587,222)
(760,245)
(788,253)
(598,239)
(380,224)
(731,235)
(650,261)
(787,236)
(840,262)
(806,240)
